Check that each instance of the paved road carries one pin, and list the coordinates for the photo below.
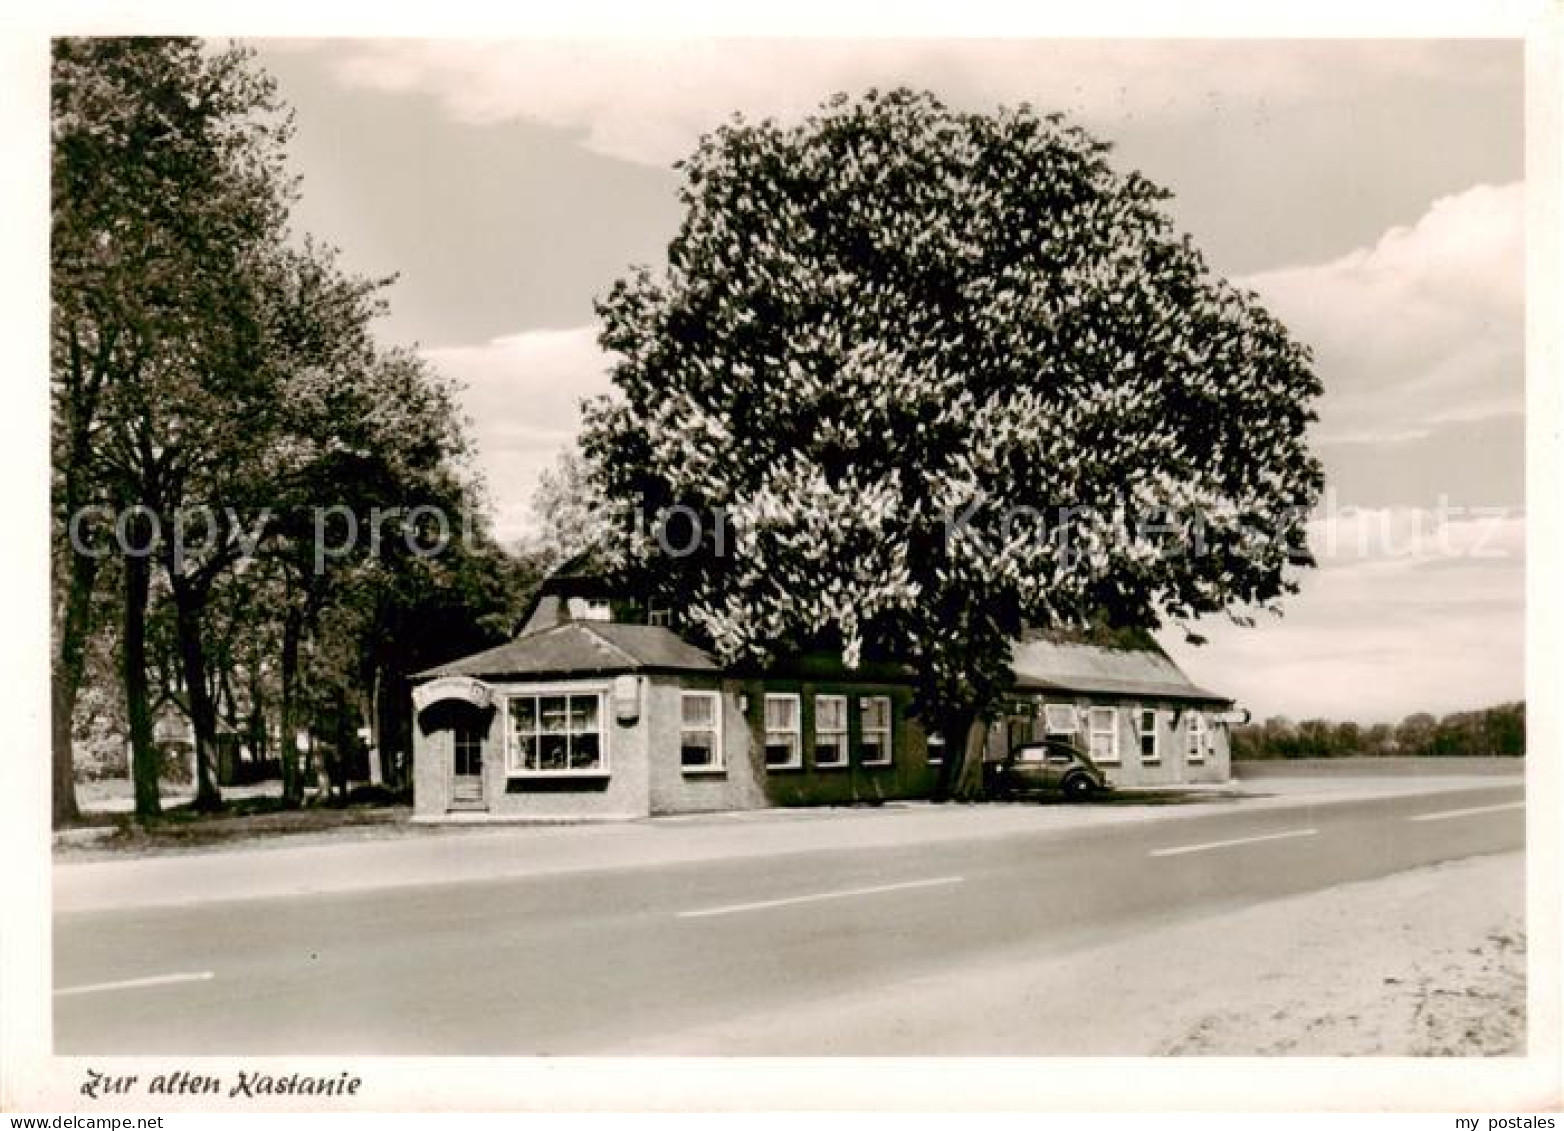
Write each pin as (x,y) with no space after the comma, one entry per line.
(595,962)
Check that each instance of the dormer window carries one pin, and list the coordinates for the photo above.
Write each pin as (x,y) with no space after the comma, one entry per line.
(591,608)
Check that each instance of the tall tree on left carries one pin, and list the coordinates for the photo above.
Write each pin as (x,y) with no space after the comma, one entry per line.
(169,191)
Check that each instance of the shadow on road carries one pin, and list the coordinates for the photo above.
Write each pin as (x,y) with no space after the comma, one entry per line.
(1167,797)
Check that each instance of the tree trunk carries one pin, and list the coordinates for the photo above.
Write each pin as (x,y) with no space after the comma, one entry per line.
(392,733)
(255,736)
(371,717)
(255,721)
(961,776)
(80,576)
(968,783)
(83,382)
(344,736)
(145,758)
(203,715)
(288,739)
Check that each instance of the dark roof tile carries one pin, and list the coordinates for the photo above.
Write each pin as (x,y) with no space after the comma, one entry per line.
(581,647)
(1043,664)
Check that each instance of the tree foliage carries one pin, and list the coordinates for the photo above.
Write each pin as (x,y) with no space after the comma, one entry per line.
(167,181)
(1491,732)
(212,371)
(936,370)
(569,510)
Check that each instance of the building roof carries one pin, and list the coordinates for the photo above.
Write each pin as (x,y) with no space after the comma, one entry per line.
(583,564)
(583,647)
(1129,669)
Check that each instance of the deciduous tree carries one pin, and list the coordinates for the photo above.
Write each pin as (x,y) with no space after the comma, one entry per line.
(166,175)
(945,375)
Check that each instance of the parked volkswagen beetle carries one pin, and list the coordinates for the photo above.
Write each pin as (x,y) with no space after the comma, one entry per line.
(1050,766)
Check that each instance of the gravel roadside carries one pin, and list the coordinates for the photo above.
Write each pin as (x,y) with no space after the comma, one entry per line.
(1428,962)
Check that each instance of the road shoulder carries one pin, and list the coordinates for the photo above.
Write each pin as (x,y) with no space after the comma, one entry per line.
(1427,962)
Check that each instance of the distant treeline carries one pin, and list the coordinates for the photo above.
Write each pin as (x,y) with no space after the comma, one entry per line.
(1493,731)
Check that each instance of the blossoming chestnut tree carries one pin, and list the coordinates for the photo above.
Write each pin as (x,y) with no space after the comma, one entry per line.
(921,379)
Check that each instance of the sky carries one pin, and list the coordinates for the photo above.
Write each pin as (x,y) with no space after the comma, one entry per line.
(1369,191)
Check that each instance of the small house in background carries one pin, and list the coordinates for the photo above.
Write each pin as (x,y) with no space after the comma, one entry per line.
(173,735)
(174,739)
(600,709)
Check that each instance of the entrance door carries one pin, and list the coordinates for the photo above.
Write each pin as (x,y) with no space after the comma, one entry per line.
(467,765)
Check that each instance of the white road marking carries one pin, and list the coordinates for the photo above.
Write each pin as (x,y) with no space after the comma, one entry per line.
(1182,849)
(734,908)
(136,983)
(1448,813)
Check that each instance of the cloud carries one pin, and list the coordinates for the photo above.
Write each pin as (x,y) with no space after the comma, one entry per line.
(1418,337)
(523,393)
(1346,537)
(1411,610)
(647,101)
(1425,328)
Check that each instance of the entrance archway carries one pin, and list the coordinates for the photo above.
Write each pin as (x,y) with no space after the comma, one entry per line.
(459,731)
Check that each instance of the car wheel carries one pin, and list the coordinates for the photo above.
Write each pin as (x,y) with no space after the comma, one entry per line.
(1077,787)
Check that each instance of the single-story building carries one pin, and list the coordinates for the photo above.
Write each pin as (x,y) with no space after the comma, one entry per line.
(598,708)
(1126,703)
